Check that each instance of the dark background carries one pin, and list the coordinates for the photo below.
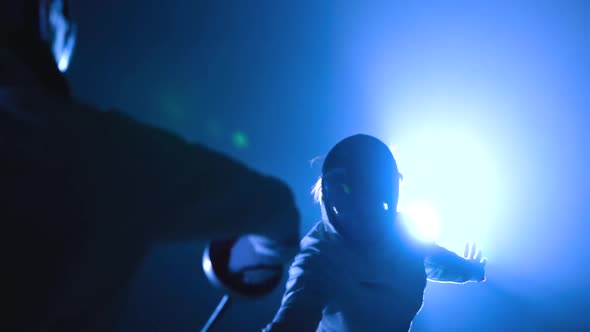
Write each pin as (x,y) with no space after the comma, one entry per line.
(487,102)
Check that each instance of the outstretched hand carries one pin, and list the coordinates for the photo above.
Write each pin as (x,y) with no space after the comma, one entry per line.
(475,256)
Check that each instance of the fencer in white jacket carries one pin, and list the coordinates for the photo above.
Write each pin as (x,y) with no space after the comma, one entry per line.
(358,269)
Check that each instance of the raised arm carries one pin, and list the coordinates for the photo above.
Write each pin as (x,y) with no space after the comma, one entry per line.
(446,266)
(304,299)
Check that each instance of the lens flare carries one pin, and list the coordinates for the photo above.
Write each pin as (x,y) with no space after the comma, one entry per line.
(422,221)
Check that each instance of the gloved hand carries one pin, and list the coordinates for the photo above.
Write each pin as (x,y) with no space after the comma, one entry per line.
(475,257)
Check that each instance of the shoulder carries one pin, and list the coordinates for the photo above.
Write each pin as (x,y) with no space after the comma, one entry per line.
(313,237)
(319,248)
(321,237)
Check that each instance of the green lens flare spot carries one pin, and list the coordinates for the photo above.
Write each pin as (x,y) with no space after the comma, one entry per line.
(240,140)
(345,188)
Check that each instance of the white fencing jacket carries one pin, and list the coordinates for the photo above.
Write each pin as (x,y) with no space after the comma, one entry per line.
(334,288)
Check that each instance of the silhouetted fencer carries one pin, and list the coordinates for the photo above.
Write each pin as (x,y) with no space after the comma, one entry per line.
(84,193)
(358,269)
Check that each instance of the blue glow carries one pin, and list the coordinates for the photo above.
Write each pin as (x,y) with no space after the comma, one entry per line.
(63,64)
(65,53)
(64,36)
(486,102)
(207,265)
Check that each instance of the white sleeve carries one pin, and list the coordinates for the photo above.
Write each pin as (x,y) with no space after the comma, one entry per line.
(304,299)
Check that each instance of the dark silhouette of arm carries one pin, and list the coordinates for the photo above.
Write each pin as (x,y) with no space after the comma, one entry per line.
(176,190)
